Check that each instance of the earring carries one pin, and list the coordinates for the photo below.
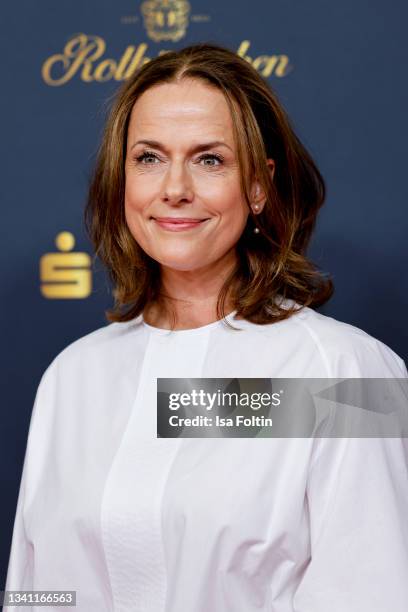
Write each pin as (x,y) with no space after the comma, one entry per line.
(256,209)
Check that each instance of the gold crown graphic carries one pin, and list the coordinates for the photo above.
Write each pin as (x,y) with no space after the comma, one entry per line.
(165,19)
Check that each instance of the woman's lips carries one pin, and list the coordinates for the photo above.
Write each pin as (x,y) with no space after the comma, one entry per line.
(177,225)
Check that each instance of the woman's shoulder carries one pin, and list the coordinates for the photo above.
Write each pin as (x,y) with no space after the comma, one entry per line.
(346,349)
(95,350)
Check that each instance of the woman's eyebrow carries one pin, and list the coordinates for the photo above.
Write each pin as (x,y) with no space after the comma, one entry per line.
(193,149)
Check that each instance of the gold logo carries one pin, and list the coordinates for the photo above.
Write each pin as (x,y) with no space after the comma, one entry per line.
(83,56)
(165,19)
(65,275)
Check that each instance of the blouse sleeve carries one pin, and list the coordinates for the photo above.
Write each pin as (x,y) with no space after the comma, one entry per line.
(357,500)
(19,575)
(20,572)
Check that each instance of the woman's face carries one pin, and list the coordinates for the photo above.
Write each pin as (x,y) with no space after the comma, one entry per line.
(181,163)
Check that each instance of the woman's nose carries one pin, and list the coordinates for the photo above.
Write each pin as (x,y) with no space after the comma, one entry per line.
(177,183)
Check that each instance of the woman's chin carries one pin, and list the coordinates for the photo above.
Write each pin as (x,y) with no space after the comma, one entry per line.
(182,264)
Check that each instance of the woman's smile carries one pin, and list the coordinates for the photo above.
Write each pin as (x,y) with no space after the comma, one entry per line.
(178,225)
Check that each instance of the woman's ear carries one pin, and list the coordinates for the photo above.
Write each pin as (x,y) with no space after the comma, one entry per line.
(271,166)
(258,195)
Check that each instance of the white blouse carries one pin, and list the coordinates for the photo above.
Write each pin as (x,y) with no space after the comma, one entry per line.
(136,523)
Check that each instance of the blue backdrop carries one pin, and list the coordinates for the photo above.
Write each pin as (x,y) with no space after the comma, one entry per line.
(339,70)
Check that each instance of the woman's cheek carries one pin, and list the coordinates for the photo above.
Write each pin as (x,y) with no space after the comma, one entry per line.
(139,190)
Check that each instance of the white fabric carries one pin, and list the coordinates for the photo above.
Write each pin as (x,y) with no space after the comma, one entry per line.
(144,524)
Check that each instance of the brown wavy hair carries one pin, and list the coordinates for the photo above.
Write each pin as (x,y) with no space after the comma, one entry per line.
(271,264)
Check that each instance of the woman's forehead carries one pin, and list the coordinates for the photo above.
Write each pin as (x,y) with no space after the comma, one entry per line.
(178,102)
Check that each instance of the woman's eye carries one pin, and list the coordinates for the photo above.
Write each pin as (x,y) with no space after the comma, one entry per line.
(210,156)
(146,155)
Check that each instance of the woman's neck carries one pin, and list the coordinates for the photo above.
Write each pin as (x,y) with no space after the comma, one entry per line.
(188,315)
(192,297)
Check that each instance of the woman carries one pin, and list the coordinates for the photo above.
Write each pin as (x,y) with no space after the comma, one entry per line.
(201,206)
